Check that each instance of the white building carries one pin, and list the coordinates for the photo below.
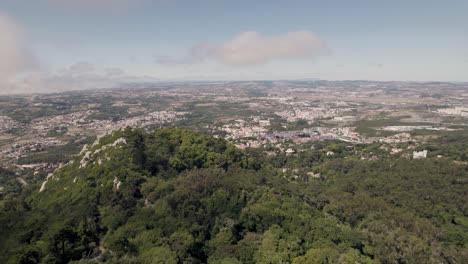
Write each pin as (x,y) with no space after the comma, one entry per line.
(420,154)
(290,151)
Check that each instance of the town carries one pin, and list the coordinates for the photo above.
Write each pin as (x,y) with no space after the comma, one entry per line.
(263,114)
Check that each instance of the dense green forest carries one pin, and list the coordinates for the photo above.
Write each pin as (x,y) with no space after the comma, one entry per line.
(177,196)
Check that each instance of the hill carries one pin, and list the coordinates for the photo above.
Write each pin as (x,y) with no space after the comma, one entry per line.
(177,196)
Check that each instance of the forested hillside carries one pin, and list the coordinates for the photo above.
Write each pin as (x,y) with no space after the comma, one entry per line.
(177,196)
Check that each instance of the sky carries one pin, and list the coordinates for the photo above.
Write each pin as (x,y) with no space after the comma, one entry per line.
(59,45)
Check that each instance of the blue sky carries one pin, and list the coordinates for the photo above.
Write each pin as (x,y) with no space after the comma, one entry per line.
(264,39)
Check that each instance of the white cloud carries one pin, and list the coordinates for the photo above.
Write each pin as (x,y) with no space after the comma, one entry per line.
(79,68)
(15,59)
(82,75)
(253,48)
(20,71)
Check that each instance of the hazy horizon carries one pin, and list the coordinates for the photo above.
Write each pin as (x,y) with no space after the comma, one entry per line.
(50,45)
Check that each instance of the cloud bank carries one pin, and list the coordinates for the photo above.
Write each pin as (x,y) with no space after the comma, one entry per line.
(253,48)
(82,75)
(20,70)
(15,59)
